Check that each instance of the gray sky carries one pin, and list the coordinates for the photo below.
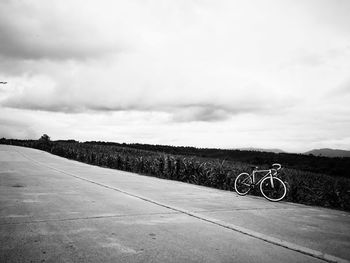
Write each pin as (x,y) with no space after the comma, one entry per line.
(252,73)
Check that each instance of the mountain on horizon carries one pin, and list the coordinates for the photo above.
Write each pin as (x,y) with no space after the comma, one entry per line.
(261,150)
(327,152)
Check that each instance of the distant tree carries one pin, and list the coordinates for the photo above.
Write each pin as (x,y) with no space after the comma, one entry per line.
(44,143)
(45,138)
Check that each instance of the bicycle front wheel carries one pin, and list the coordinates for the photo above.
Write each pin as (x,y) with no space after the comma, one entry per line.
(243,184)
(273,189)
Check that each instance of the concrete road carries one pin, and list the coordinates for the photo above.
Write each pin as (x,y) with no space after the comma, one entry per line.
(56,210)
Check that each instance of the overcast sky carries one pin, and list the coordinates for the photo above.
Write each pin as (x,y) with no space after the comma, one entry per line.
(228,74)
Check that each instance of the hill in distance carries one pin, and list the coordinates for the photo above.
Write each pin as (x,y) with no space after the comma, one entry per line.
(326,152)
(252,149)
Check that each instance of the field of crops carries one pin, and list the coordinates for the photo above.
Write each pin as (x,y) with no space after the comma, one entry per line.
(304,187)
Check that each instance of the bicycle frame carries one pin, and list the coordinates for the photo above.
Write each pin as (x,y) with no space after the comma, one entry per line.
(269,172)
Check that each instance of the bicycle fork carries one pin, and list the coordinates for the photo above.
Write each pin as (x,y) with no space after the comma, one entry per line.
(271,179)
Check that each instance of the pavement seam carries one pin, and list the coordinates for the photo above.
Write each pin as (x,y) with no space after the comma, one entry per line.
(85,218)
(243,209)
(242,230)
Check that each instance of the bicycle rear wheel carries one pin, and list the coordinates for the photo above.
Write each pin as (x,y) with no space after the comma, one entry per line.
(243,183)
(273,189)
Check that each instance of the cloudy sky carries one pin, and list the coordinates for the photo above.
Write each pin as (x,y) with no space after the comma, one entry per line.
(207,73)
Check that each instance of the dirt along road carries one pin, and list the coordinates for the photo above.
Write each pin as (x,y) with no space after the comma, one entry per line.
(57,210)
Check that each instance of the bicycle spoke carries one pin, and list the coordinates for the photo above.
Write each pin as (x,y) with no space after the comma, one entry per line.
(273,189)
(243,183)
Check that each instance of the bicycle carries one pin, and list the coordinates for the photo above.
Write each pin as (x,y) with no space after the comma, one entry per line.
(271,187)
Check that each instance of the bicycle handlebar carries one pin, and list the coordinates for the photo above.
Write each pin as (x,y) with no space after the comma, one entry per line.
(274,168)
(278,166)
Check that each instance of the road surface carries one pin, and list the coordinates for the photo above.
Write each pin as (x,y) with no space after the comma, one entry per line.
(57,210)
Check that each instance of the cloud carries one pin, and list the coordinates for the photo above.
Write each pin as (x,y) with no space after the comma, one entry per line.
(341,91)
(42,93)
(329,56)
(134,82)
(330,15)
(208,113)
(113,56)
(57,31)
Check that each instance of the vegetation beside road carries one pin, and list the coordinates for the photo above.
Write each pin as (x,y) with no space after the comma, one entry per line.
(310,181)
